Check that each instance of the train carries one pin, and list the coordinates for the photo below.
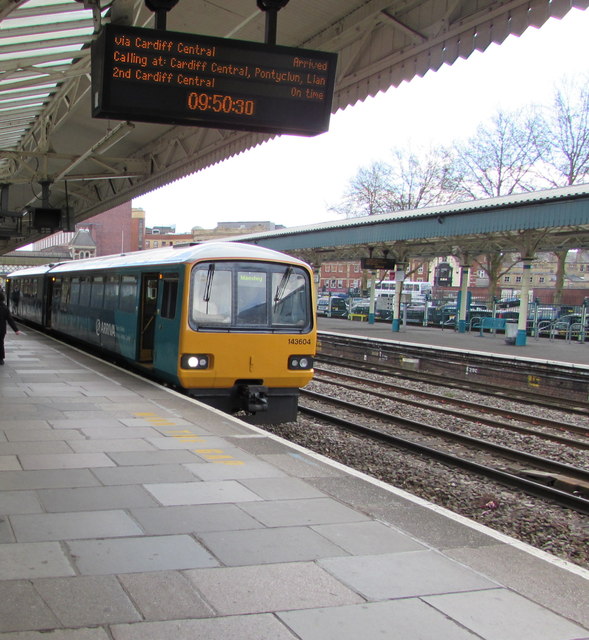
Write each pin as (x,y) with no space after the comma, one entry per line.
(232,325)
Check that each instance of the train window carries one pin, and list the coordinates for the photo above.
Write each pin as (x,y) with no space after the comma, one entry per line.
(211,294)
(56,294)
(250,295)
(97,293)
(85,291)
(169,296)
(251,298)
(289,296)
(128,293)
(75,292)
(65,294)
(111,292)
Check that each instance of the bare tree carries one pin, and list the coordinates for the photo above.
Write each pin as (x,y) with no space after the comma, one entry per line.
(498,160)
(368,192)
(424,179)
(411,181)
(495,265)
(563,146)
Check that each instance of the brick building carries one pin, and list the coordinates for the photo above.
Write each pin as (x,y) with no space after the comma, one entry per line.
(110,232)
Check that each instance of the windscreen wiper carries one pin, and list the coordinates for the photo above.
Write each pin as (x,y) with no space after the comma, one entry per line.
(282,286)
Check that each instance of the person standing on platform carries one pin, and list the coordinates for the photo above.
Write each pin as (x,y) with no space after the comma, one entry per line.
(5,319)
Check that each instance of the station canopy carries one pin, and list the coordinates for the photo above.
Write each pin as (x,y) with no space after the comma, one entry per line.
(54,155)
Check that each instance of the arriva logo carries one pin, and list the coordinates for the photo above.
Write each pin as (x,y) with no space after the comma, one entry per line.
(105,329)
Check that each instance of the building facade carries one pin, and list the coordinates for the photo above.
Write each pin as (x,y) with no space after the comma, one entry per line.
(110,233)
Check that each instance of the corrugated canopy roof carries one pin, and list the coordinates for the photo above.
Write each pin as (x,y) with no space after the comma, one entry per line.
(550,220)
(47,133)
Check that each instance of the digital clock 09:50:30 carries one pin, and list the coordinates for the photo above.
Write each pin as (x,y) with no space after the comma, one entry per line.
(219,103)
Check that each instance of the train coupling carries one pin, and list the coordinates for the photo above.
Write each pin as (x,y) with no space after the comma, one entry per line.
(254,397)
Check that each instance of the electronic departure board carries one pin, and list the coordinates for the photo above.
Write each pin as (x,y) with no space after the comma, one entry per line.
(162,76)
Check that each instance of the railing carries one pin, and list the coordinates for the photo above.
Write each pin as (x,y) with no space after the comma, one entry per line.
(576,330)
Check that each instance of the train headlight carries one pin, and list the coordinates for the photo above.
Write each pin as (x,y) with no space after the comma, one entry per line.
(195,361)
(300,362)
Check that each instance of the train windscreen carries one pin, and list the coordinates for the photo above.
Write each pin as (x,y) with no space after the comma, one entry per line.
(250,296)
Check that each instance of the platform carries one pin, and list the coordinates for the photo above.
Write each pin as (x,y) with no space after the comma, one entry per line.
(543,349)
(131,512)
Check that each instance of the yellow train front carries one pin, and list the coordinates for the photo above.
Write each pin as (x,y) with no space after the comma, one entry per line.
(230,323)
(249,334)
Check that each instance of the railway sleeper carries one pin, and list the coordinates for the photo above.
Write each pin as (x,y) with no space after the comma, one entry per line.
(557,481)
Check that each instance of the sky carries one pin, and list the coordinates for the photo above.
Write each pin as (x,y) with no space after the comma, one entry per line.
(295,181)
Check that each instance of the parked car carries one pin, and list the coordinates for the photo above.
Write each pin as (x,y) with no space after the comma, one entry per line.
(339,308)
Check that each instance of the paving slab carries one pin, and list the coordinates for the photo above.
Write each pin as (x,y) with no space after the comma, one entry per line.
(300,465)
(95,498)
(87,600)
(141,474)
(165,595)
(286,513)
(50,478)
(138,458)
(499,614)
(259,627)
(59,634)
(22,609)
(71,526)
(26,433)
(9,463)
(110,433)
(12,502)
(404,575)
(265,588)
(6,534)
(407,619)
(285,488)
(135,555)
(184,439)
(41,447)
(65,461)
(194,519)
(269,546)
(230,464)
(364,538)
(115,445)
(33,560)
(201,493)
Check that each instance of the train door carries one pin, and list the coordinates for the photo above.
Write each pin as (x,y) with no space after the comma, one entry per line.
(167,329)
(147,315)
(51,300)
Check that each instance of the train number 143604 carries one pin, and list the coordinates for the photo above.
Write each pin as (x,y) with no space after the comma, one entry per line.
(299,341)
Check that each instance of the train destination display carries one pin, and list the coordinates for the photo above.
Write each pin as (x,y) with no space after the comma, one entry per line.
(162,76)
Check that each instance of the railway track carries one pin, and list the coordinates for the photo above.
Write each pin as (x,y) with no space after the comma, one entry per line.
(507,419)
(460,451)
(534,383)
